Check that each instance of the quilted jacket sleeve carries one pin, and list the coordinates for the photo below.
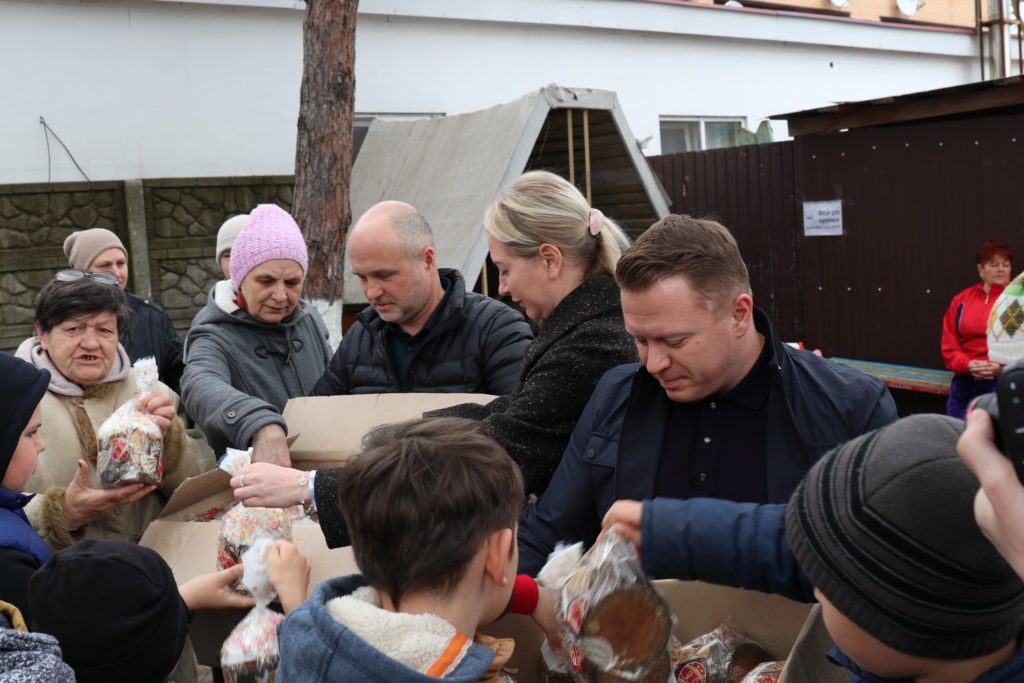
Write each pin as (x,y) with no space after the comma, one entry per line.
(719,541)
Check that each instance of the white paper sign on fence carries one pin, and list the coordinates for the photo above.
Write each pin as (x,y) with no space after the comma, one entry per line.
(823,218)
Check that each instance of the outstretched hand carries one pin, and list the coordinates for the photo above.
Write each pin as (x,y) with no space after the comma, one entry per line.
(999,503)
(270,444)
(544,616)
(160,407)
(288,572)
(214,591)
(626,518)
(83,504)
(270,486)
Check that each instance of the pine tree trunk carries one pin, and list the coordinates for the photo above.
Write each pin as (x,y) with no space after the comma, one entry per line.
(323,151)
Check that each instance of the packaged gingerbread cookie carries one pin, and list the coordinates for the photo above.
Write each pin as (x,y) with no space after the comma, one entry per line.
(615,624)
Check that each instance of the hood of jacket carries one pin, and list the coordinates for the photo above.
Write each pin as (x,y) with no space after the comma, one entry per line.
(31,350)
(221,310)
(343,633)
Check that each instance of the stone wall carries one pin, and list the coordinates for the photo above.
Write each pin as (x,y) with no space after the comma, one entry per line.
(179,233)
(182,218)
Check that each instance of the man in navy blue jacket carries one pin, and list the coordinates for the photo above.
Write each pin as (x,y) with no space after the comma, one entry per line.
(882,533)
(718,406)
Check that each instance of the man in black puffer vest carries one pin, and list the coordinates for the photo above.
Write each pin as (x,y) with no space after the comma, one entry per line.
(422,332)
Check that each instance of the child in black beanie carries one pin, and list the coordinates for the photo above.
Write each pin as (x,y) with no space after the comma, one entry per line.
(882,533)
(22,550)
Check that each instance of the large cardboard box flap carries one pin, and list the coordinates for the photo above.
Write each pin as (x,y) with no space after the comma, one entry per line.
(190,548)
(788,630)
(330,429)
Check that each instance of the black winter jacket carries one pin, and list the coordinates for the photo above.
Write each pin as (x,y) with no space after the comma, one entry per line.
(814,405)
(476,347)
(583,337)
(150,333)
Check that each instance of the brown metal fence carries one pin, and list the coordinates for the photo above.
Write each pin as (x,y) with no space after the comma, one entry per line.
(917,200)
(750,190)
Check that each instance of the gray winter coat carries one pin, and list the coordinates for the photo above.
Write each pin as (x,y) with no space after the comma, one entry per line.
(239,372)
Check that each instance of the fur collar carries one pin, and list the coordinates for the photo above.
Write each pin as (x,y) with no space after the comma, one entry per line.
(32,351)
(415,640)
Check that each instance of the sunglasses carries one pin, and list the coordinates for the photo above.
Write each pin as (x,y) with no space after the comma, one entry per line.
(76,275)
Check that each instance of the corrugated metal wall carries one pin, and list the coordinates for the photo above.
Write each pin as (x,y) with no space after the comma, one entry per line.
(750,190)
(917,200)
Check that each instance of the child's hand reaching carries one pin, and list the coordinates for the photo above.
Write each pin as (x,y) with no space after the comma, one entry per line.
(544,616)
(213,591)
(288,572)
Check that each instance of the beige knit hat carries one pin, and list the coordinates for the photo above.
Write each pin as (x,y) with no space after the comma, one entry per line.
(1006,324)
(84,246)
(228,233)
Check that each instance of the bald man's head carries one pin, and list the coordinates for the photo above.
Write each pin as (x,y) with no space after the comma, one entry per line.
(391,250)
(403,220)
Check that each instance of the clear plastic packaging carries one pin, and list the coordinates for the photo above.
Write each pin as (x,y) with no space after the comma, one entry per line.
(250,653)
(241,527)
(766,672)
(723,655)
(130,445)
(615,625)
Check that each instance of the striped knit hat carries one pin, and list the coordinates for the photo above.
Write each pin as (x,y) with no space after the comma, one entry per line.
(1006,324)
(884,527)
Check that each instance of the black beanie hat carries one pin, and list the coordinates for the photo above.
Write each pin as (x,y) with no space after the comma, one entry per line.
(884,527)
(115,609)
(21,389)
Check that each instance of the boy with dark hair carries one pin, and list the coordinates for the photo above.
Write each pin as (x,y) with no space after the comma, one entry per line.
(432,507)
(882,533)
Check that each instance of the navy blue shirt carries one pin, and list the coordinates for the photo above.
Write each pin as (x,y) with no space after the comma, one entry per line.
(403,347)
(717,447)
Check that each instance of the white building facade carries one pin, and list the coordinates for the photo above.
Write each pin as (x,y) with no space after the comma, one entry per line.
(160,89)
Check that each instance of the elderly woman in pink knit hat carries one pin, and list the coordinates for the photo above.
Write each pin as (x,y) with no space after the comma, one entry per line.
(256,343)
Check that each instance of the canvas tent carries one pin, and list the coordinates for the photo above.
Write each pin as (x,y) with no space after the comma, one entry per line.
(451,168)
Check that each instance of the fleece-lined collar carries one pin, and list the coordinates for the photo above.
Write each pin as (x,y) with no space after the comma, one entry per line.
(31,350)
(423,642)
(224,296)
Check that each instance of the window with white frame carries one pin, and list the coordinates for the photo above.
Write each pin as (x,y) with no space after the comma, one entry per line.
(694,133)
(361,124)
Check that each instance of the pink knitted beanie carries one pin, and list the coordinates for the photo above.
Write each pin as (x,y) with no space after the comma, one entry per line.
(270,233)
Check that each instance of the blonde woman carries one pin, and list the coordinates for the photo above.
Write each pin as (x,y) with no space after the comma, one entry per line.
(556,257)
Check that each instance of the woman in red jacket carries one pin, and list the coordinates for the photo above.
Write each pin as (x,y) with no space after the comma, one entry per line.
(964,348)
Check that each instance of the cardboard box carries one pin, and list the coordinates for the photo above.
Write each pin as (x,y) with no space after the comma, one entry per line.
(190,548)
(330,429)
(788,630)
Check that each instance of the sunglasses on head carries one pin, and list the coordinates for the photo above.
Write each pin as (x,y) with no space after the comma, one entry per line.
(76,275)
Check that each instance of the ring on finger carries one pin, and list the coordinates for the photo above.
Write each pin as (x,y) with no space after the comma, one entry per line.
(241,481)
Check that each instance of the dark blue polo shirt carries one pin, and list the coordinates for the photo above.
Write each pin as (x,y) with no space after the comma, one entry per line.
(717,447)
(402,347)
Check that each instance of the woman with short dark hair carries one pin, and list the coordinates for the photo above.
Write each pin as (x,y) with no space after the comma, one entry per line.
(149,331)
(964,343)
(79,316)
